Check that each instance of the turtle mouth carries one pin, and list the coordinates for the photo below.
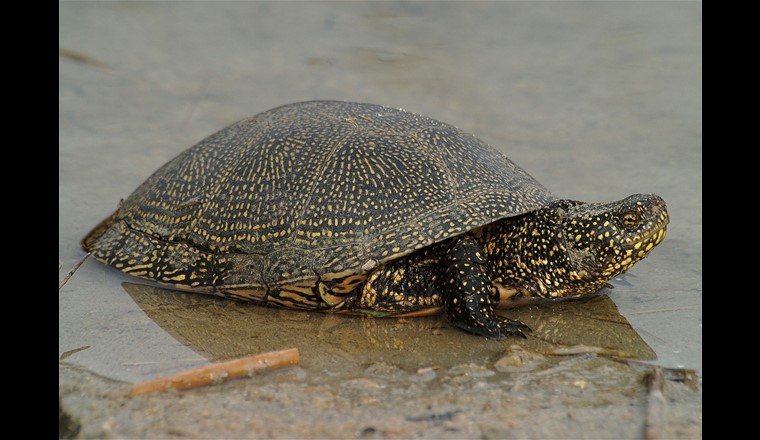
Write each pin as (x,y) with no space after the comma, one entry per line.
(650,238)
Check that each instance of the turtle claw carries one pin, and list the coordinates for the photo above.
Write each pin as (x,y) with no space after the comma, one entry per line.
(497,329)
(512,327)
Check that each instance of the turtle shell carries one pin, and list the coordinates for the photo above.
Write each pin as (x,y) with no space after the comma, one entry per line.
(320,190)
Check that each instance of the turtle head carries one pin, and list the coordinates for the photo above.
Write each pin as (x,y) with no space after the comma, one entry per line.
(603,240)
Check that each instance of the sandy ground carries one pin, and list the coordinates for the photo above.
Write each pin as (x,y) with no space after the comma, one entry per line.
(595,100)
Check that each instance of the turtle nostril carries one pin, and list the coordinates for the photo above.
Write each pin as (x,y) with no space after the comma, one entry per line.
(658,204)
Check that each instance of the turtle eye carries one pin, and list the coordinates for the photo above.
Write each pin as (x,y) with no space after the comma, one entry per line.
(631,219)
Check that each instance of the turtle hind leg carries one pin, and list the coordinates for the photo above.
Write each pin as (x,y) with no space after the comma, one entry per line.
(401,286)
(469,299)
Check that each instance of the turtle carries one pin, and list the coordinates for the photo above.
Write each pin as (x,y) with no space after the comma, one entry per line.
(359,208)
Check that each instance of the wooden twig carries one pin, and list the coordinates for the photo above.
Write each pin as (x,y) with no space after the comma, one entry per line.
(66,354)
(82,58)
(73,269)
(219,372)
(655,405)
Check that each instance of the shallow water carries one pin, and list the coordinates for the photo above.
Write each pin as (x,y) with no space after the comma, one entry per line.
(220,329)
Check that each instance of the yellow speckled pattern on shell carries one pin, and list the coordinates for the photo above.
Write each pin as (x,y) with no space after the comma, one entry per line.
(310,191)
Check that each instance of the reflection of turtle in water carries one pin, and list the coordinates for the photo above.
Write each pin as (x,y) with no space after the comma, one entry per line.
(347,207)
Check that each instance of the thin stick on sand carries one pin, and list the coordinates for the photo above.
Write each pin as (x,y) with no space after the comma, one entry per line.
(72,271)
(219,372)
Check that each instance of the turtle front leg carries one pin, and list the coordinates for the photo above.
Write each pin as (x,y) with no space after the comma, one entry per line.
(468,296)
(452,275)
